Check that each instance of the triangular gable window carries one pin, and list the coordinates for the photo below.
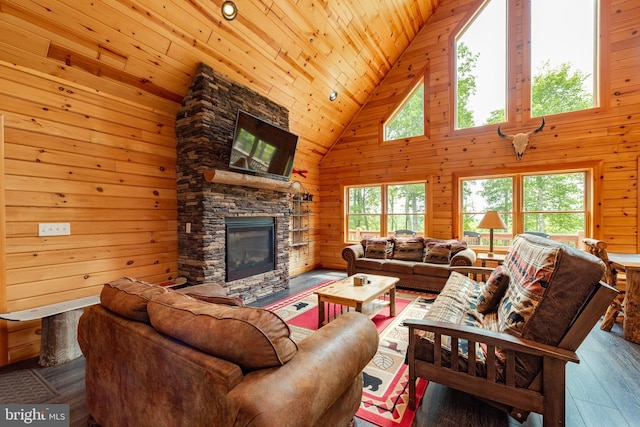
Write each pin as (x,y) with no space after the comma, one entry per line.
(408,121)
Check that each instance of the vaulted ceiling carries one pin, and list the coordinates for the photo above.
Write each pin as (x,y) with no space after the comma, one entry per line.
(295,52)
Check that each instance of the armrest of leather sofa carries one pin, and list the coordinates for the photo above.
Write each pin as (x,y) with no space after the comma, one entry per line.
(463,258)
(350,254)
(300,392)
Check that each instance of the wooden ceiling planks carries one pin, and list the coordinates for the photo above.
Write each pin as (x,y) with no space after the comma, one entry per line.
(293,51)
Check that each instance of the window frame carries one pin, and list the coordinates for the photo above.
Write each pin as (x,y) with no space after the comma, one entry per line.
(593,194)
(384,205)
(419,78)
(520,114)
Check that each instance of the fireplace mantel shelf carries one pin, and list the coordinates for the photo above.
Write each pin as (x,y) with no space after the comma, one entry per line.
(233,178)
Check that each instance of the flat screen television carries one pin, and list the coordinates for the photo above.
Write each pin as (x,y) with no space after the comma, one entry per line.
(262,148)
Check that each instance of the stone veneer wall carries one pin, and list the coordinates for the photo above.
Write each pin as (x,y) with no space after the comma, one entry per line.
(204,131)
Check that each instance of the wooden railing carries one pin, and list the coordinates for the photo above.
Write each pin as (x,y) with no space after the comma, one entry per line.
(500,240)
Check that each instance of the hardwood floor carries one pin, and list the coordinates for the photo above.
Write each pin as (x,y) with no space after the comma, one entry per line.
(602,390)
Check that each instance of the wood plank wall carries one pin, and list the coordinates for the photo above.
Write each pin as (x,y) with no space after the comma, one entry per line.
(106,167)
(609,134)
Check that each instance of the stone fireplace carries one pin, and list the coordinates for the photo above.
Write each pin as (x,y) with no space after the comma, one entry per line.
(204,132)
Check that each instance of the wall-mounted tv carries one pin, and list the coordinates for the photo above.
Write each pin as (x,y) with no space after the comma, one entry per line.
(262,148)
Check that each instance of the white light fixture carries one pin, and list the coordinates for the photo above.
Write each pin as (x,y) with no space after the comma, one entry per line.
(333,95)
(229,10)
(491,220)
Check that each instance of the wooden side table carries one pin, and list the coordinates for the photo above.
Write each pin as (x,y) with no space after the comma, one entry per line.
(497,258)
(630,263)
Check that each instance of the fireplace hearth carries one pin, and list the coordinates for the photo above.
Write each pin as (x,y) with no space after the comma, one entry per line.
(249,246)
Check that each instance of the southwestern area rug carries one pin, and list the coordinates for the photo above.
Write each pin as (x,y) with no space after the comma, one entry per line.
(385,396)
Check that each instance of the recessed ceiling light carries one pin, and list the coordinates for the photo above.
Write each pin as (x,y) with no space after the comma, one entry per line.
(333,95)
(229,10)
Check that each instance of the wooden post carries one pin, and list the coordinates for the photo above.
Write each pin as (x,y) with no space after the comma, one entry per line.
(59,340)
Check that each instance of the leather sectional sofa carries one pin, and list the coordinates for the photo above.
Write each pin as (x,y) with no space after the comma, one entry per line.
(155,357)
(420,263)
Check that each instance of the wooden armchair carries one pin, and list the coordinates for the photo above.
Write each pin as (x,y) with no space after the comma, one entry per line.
(479,356)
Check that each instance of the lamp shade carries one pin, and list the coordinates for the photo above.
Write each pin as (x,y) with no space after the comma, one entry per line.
(491,219)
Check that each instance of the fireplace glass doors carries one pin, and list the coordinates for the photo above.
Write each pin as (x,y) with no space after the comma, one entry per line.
(250,246)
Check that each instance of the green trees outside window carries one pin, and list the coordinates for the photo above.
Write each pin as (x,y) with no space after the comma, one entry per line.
(550,203)
(564,65)
(409,121)
(379,210)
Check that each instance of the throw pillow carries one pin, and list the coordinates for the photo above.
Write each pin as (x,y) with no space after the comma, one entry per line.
(438,253)
(408,249)
(378,248)
(454,245)
(492,291)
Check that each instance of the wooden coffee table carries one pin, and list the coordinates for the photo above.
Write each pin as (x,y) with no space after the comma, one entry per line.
(345,294)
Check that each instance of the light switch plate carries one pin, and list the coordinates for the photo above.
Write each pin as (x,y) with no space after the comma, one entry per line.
(54,229)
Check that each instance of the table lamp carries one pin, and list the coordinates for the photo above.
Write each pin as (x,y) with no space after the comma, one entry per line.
(491,220)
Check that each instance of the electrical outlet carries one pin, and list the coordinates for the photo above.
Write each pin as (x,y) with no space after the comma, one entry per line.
(54,229)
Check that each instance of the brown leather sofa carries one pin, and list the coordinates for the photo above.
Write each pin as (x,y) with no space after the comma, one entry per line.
(420,263)
(155,357)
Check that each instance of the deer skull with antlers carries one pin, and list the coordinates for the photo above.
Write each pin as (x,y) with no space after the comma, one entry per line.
(520,140)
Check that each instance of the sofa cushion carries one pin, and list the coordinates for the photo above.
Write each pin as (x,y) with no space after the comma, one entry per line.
(428,269)
(530,268)
(455,304)
(129,297)
(408,249)
(575,276)
(398,266)
(492,291)
(250,337)
(548,283)
(438,253)
(378,248)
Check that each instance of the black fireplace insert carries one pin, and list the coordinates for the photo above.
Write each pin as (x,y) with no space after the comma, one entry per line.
(250,246)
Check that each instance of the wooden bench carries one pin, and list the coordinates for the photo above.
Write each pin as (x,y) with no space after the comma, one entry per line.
(58,341)
(59,337)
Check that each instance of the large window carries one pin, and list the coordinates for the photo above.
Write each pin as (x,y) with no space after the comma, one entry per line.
(562,58)
(481,65)
(556,205)
(382,209)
